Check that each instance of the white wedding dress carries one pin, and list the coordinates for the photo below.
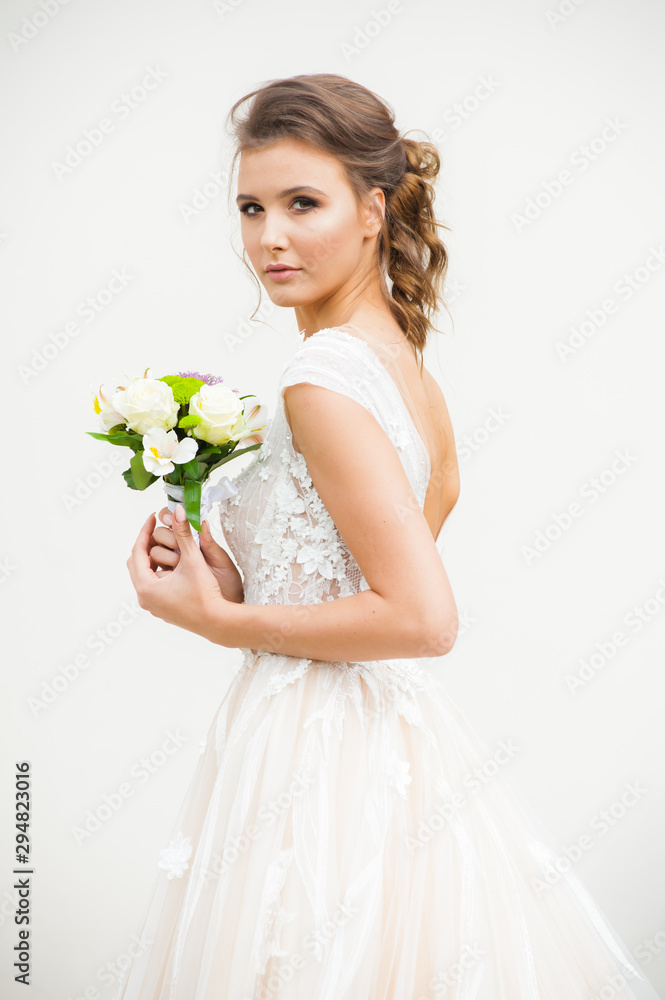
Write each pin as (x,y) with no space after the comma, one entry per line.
(346,834)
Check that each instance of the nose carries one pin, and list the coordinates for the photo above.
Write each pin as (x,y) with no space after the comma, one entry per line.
(273,236)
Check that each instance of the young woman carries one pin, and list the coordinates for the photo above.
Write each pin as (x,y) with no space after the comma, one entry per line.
(346,834)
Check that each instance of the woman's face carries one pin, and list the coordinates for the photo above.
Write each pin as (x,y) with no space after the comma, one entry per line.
(297,208)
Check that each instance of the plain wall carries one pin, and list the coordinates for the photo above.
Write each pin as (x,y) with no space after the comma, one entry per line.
(513,94)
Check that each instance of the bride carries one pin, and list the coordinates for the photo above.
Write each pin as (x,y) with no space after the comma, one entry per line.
(344,835)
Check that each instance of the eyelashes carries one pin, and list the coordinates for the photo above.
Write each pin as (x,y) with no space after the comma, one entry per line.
(250,204)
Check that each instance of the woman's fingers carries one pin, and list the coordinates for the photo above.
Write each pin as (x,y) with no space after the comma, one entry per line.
(165,516)
(164,552)
(163,556)
(165,538)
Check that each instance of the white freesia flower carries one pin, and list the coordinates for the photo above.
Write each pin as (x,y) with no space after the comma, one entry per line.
(146,403)
(161,449)
(174,858)
(220,410)
(103,404)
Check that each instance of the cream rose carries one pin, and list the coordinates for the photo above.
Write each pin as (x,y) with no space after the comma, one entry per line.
(220,410)
(146,403)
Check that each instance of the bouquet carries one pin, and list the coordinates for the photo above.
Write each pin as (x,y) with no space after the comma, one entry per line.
(181,428)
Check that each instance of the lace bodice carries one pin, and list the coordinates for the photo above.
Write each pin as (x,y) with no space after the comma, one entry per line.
(284,540)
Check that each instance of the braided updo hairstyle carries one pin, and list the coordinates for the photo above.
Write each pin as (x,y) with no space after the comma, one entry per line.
(335,115)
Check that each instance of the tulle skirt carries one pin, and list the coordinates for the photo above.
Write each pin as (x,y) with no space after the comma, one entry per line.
(347,836)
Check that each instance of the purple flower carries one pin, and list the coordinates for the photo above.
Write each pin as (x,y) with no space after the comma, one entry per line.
(208,379)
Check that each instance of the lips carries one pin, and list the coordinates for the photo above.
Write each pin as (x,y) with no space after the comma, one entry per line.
(281,272)
(281,267)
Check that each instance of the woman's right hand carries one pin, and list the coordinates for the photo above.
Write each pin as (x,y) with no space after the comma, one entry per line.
(164,555)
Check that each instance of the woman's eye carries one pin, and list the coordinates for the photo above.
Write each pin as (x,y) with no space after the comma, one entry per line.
(308,200)
(245,209)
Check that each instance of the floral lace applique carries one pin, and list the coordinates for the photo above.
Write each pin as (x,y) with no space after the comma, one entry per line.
(273,915)
(174,858)
(278,680)
(400,435)
(397,773)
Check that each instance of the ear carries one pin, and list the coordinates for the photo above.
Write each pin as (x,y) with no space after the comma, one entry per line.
(374,211)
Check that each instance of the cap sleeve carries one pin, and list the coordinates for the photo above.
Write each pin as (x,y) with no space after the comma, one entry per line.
(335,362)
(346,364)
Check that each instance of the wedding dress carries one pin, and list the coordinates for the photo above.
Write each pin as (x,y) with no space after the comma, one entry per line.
(346,834)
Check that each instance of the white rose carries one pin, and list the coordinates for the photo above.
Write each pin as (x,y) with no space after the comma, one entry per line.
(221,413)
(146,403)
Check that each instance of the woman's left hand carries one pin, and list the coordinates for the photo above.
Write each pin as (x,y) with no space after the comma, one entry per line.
(187,596)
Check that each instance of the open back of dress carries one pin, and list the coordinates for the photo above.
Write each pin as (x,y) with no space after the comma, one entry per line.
(347,835)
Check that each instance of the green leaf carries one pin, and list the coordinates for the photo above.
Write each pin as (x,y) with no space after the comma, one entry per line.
(234,454)
(207,452)
(142,478)
(129,478)
(191,469)
(133,441)
(193,502)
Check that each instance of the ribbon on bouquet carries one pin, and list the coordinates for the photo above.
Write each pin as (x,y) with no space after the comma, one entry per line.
(210,494)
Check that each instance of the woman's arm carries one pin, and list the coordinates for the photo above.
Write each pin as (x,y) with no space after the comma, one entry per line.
(409,609)
(363,626)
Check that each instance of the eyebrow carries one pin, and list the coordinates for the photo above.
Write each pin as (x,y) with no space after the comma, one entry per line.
(285,193)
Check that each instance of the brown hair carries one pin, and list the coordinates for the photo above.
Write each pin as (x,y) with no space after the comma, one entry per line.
(338,116)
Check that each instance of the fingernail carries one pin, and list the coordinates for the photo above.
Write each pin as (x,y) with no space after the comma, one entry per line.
(206,527)
(180,514)
(168,519)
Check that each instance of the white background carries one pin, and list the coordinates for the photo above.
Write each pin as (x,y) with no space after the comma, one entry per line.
(516,290)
